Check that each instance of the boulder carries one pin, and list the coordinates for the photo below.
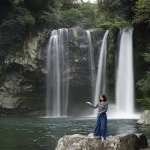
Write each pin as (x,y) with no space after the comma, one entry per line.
(145,118)
(118,142)
(142,140)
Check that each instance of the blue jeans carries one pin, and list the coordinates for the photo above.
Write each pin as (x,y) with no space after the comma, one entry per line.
(101,126)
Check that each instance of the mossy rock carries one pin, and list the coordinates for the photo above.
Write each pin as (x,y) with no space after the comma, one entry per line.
(31,100)
(38,113)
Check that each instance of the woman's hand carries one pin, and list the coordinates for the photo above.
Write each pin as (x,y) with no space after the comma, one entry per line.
(88,103)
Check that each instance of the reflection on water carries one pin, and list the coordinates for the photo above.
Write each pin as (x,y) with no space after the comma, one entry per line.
(43,133)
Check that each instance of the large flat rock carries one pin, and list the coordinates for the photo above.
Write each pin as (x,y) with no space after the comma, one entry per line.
(118,142)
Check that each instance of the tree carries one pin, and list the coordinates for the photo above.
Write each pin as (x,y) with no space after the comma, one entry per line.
(116,13)
(13,27)
(142,12)
(144,86)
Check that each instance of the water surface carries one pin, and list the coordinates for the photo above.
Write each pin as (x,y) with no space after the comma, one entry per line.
(43,133)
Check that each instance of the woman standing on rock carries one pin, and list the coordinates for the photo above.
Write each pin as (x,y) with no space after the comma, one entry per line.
(101,122)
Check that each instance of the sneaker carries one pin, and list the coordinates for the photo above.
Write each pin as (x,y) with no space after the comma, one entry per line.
(91,137)
(102,139)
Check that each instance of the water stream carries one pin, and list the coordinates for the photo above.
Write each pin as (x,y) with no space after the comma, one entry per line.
(58,73)
(124,79)
(101,73)
(91,62)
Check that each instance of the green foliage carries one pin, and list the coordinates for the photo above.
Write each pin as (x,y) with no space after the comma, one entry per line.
(75,14)
(97,34)
(147,57)
(20,16)
(112,5)
(14,29)
(144,85)
(142,12)
(145,102)
(89,14)
(116,13)
(31,101)
(14,2)
(70,17)
(74,55)
(2,53)
(111,65)
(21,19)
(115,8)
(44,16)
(111,23)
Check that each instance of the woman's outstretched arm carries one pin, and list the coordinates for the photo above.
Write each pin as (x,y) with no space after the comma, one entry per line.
(92,105)
(89,103)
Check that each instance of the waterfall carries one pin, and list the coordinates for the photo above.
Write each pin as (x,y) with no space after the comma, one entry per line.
(124,79)
(101,73)
(58,73)
(91,61)
(117,51)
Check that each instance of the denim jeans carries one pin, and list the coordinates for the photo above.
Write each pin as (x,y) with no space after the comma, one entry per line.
(101,126)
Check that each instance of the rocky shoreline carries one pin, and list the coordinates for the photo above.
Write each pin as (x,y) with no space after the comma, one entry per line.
(118,142)
(145,118)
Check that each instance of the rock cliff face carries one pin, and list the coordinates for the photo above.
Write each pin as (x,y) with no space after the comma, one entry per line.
(23,74)
(145,118)
(23,86)
(118,142)
(80,82)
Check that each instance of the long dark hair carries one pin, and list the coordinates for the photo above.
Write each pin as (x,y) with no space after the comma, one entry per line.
(104,97)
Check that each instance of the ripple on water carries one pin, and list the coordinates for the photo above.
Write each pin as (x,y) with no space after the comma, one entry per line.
(43,134)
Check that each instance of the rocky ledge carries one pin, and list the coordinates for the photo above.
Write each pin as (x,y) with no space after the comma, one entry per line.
(145,118)
(118,142)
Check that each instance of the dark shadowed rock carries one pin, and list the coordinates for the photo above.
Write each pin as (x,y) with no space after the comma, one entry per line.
(118,142)
(142,140)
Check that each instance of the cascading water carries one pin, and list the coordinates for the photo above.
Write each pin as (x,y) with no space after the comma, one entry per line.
(58,73)
(125,80)
(101,73)
(117,51)
(91,61)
